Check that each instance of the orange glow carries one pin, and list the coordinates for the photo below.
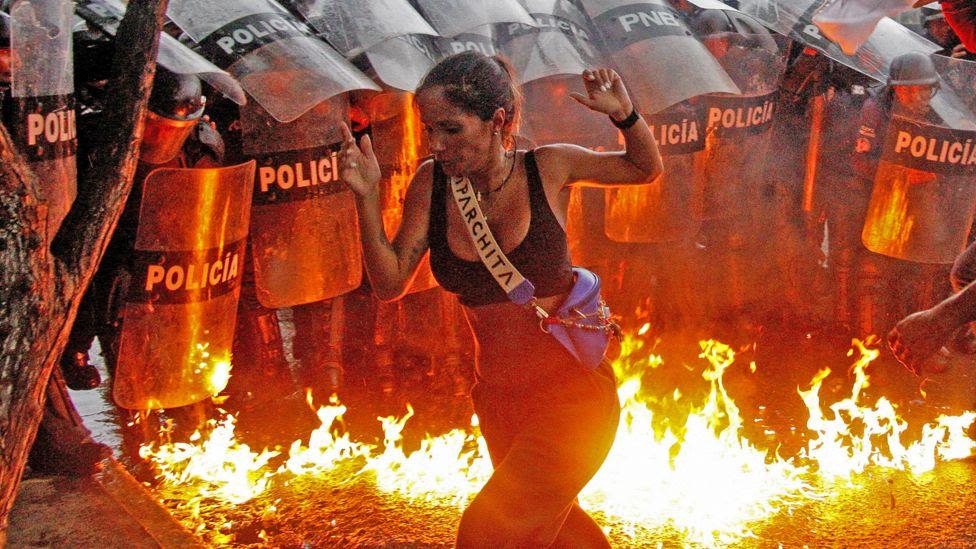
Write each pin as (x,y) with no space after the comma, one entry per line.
(813,152)
(406,164)
(703,477)
(632,211)
(889,223)
(407,161)
(852,437)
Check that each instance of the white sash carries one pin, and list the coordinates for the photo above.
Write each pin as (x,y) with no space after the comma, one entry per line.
(516,287)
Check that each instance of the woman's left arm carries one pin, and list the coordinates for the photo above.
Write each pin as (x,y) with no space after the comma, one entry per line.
(638,163)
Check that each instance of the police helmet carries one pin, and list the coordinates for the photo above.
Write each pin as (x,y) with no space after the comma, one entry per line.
(912,69)
(176,96)
(175,105)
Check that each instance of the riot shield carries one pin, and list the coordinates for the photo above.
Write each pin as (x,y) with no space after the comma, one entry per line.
(354,26)
(551,115)
(668,209)
(304,228)
(178,318)
(655,52)
(453,17)
(402,62)
(390,34)
(41,112)
(955,101)
(794,19)
(923,198)
(483,39)
(398,141)
(267,49)
(737,134)
(173,56)
(562,42)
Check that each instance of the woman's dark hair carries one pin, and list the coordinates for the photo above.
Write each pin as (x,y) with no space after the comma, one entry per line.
(478,84)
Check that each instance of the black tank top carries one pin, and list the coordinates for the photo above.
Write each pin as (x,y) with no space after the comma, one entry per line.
(542,257)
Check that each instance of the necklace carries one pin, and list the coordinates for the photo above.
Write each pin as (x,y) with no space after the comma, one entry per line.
(479,195)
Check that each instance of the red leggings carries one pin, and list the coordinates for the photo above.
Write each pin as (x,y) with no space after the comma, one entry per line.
(545,443)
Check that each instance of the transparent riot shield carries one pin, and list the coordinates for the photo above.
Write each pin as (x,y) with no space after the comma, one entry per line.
(399,142)
(268,50)
(402,62)
(41,112)
(923,198)
(668,209)
(304,228)
(561,43)
(453,17)
(955,101)
(354,26)
(173,55)
(550,115)
(738,126)
(178,317)
(656,53)
(392,37)
(483,39)
(794,19)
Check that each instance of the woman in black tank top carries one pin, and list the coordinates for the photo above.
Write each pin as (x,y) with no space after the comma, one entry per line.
(549,423)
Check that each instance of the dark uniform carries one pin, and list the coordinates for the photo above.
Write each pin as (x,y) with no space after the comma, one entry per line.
(886,289)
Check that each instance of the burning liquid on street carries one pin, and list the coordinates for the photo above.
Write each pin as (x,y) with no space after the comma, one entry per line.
(701,477)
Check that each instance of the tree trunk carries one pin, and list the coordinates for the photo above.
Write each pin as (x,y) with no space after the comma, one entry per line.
(40,289)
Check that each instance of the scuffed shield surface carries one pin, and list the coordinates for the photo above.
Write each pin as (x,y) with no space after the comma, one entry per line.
(923,198)
(738,126)
(668,209)
(268,50)
(173,55)
(177,320)
(41,111)
(304,227)
(656,53)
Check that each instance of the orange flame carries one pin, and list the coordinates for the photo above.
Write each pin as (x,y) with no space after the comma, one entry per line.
(407,161)
(703,478)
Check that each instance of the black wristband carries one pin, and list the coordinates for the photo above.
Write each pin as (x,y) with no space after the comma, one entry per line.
(627,122)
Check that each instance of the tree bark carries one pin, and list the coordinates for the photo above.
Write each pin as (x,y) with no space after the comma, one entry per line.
(40,289)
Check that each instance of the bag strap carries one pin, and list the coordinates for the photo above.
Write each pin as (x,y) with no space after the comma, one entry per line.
(518,288)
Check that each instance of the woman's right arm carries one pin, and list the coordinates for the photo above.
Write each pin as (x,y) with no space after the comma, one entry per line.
(390,266)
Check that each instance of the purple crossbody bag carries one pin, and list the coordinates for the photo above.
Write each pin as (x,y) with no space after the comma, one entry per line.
(582,324)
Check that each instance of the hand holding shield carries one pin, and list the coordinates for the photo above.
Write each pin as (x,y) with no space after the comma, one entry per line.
(359,168)
(605,93)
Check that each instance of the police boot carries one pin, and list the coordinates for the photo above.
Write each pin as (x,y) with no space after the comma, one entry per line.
(79,374)
(190,419)
(332,369)
(260,368)
(272,363)
(385,370)
(843,268)
(459,382)
(869,297)
(321,370)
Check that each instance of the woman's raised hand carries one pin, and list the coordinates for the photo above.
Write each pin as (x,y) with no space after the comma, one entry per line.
(605,93)
(358,166)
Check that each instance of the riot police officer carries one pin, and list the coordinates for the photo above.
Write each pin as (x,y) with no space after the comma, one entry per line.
(174,113)
(912,82)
